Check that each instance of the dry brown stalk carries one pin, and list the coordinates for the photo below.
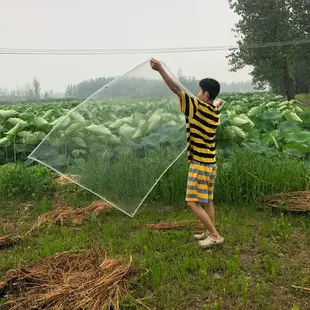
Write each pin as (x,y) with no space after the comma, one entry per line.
(69,281)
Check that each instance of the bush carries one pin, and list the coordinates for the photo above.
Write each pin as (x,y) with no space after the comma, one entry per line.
(242,178)
(247,177)
(20,182)
(304,98)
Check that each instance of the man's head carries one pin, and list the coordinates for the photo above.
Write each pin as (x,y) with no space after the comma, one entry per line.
(209,89)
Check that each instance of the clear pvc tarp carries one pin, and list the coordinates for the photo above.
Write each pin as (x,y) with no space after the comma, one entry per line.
(130,126)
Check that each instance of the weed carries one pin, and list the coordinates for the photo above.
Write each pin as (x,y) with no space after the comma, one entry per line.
(21,182)
(245,290)
(282,226)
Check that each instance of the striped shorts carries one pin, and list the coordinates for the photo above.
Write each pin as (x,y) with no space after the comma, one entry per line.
(200,182)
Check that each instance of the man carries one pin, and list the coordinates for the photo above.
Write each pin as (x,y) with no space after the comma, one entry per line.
(202,120)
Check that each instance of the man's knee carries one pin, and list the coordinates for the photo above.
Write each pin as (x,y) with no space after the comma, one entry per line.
(192,204)
(209,204)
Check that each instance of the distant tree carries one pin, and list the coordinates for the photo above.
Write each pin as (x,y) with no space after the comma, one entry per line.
(28,92)
(282,67)
(180,73)
(86,88)
(70,91)
(36,88)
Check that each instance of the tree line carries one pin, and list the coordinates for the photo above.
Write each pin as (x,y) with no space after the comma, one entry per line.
(150,87)
(30,92)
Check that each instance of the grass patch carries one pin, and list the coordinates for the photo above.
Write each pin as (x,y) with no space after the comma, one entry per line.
(304,98)
(248,177)
(242,178)
(264,254)
(21,182)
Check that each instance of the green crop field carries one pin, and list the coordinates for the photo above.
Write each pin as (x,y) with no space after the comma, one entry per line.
(261,122)
(263,148)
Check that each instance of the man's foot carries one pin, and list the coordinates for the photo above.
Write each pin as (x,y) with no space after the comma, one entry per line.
(202,236)
(210,242)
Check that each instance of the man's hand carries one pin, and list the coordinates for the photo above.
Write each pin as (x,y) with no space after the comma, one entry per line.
(156,65)
(218,103)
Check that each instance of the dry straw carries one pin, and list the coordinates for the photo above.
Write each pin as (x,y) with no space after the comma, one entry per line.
(64,214)
(294,201)
(173,225)
(61,215)
(9,240)
(68,281)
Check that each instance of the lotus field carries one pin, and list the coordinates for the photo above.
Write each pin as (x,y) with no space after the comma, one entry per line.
(261,122)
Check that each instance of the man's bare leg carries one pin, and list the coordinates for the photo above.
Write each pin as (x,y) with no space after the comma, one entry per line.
(209,208)
(205,219)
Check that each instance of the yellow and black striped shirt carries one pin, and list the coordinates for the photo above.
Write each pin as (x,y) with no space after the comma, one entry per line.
(202,120)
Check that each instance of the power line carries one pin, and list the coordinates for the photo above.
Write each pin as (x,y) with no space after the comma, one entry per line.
(19,51)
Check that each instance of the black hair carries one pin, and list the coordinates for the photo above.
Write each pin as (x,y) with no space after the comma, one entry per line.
(211,86)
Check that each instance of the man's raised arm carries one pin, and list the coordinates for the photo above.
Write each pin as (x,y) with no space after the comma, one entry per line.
(157,66)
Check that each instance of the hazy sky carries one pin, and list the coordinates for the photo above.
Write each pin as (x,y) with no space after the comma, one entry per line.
(112,24)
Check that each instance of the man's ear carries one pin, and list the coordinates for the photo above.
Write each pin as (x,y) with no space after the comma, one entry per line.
(206,95)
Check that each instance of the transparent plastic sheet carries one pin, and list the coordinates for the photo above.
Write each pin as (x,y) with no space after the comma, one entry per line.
(121,140)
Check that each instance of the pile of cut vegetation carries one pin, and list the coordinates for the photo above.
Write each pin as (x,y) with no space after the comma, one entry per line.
(294,201)
(66,179)
(9,240)
(174,225)
(61,215)
(67,281)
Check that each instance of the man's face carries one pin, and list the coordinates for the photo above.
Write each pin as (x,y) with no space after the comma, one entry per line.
(203,96)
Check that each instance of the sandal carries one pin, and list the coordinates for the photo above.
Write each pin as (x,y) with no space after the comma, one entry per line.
(202,236)
(210,242)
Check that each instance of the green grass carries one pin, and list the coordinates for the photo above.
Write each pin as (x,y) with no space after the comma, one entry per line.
(264,254)
(18,181)
(304,98)
(242,178)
